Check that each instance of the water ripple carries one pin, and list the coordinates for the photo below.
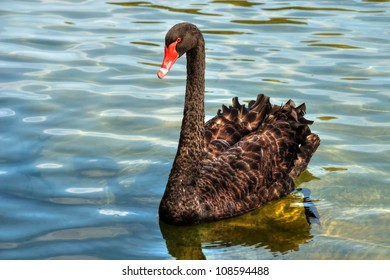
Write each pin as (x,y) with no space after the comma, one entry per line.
(136,138)
(90,133)
(5,112)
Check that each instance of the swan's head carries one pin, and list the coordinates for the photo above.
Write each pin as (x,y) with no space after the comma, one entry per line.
(180,39)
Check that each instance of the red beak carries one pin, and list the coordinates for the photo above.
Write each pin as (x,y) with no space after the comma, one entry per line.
(170,56)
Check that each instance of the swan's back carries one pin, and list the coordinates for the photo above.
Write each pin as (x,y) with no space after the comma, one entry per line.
(253,156)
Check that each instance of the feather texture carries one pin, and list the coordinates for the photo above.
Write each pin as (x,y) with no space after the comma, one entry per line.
(260,165)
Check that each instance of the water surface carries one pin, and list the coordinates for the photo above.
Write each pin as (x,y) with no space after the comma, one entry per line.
(88,133)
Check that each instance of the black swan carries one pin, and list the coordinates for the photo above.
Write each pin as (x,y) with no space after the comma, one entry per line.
(237,161)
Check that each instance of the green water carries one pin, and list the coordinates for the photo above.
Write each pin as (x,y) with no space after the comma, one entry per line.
(88,133)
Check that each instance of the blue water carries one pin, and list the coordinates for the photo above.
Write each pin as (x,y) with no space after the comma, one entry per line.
(88,133)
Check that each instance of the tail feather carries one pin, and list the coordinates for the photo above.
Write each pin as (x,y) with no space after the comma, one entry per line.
(290,119)
(307,150)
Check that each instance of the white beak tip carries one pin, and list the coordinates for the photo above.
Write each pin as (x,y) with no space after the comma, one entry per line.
(162,72)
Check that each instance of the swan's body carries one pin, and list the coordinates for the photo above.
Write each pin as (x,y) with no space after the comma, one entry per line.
(237,161)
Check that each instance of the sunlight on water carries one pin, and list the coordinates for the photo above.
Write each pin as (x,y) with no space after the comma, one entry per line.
(88,133)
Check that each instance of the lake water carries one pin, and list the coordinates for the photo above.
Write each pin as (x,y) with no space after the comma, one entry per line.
(88,133)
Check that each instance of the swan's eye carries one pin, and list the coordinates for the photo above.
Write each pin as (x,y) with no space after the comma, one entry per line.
(178,40)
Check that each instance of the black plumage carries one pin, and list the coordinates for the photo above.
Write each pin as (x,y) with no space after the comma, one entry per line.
(239,160)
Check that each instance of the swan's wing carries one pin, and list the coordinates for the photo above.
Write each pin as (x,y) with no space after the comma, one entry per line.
(247,175)
(233,123)
(258,168)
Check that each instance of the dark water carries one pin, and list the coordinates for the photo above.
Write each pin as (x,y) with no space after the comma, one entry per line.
(88,133)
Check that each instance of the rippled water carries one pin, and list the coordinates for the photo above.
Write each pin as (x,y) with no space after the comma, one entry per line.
(88,133)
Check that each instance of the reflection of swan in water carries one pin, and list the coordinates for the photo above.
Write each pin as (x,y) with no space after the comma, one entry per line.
(279,226)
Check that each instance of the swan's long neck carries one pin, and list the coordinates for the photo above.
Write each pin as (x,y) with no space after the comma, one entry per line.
(180,203)
(191,144)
